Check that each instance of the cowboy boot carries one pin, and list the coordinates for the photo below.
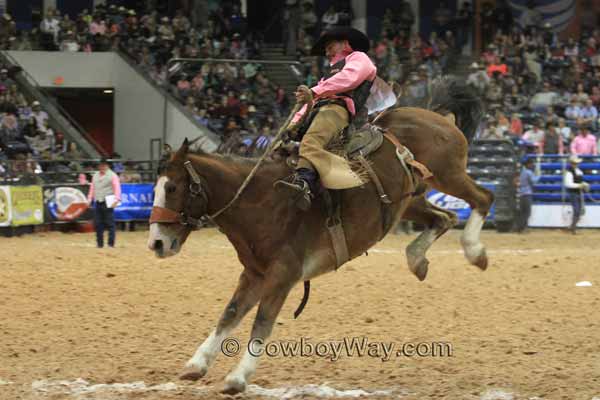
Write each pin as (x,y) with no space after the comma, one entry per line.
(302,185)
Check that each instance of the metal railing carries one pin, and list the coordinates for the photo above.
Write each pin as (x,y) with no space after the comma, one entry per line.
(61,172)
(68,124)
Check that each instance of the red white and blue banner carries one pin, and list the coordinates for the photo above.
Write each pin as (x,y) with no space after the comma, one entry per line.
(558,13)
(459,206)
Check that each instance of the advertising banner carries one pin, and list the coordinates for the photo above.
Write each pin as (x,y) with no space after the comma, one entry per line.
(5,209)
(459,206)
(27,205)
(136,202)
(66,203)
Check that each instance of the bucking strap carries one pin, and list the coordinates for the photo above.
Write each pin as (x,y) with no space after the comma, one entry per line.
(406,156)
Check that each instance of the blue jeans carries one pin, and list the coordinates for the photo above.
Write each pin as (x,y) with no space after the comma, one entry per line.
(576,204)
(104,219)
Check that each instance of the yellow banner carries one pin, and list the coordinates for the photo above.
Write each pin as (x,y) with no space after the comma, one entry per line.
(5,206)
(27,205)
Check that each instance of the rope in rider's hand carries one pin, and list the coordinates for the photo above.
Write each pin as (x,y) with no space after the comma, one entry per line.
(267,152)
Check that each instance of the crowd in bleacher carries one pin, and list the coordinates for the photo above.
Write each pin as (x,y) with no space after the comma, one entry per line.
(541,91)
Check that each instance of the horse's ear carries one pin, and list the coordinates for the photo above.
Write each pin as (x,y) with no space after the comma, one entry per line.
(183,150)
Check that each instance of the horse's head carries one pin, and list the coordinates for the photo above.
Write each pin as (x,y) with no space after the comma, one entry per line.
(178,199)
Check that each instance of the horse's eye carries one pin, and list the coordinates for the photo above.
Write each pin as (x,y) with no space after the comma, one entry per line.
(170,187)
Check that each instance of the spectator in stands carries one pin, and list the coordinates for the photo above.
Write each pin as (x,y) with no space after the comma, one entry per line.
(516,126)
(5,80)
(564,131)
(573,182)
(535,136)
(589,114)
(330,19)
(573,112)
(105,187)
(552,143)
(497,67)
(545,98)
(526,182)
(69,43)
(9,129)
(50,28)
(584,144)
(40,115)
(515,101)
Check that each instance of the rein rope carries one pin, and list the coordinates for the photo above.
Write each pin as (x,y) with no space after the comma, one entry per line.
(268,152)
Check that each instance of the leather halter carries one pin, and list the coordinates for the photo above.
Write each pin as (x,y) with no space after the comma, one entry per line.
(167,216)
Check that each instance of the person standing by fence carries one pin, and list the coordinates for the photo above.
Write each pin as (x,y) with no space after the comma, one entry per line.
(105,191)
(574,184)
(526,182)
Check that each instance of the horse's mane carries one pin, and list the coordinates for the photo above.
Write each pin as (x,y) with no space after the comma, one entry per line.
(243,164)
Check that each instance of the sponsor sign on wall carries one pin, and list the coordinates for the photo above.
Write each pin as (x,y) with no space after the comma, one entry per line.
(5,211)
(27,205)
(136,202)
(459,206)
(66,203)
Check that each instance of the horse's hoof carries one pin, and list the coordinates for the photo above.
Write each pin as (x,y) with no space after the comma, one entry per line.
(420,268)
(234,386)
(192,373)
(481,261)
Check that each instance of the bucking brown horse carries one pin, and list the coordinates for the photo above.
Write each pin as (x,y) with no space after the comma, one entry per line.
(279,245)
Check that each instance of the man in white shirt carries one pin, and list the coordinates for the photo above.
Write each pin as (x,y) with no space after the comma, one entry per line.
(575,186)
(40,115)
(535,136)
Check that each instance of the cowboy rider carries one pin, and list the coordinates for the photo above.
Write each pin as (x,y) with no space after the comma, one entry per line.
(338,97)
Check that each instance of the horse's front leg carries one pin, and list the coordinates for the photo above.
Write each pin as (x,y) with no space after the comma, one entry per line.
(244,298)
(277,287)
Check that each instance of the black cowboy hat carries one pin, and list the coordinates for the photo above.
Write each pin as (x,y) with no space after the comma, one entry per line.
(358,40)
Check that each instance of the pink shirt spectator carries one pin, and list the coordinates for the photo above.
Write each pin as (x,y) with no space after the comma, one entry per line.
(98,27)
(584,145)
(357,69)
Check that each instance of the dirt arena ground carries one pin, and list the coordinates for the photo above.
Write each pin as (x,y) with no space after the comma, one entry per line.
(81,323)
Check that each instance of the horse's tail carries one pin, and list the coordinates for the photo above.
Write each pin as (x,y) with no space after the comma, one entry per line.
(451,95)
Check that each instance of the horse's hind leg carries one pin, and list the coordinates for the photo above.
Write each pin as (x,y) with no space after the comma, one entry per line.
(436,221)
(244,298)
(460,185)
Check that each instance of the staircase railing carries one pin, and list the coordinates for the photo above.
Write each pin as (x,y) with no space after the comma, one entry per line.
(58,115)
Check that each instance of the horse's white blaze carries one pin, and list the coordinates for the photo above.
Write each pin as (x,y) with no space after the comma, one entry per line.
(157,231)
(470,237)
(208,350)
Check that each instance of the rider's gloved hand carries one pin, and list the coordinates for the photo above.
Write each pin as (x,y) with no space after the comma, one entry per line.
(304,94)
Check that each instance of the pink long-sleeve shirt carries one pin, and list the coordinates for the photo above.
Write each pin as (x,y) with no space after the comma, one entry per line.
(584,145)
(116,187)
(357,69)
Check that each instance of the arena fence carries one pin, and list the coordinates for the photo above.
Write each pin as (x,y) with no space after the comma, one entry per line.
(551,207)
(58,195)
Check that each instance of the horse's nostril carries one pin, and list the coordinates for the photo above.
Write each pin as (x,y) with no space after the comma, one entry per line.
(158,246)
(174,244)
